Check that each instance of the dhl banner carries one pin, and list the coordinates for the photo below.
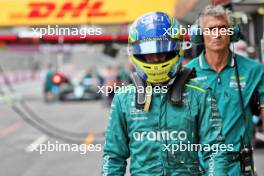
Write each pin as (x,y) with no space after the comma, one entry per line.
(74,12)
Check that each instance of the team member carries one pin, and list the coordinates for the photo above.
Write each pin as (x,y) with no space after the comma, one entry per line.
(234,80)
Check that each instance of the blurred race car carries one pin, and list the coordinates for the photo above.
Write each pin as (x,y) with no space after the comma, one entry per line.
(86,89)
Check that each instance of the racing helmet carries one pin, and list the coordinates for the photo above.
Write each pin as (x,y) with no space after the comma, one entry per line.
(155,33)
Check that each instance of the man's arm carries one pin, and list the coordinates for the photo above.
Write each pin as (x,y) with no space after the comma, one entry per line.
(116,149)
(211,137)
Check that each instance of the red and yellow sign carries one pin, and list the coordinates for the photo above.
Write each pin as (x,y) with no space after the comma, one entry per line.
(69,12)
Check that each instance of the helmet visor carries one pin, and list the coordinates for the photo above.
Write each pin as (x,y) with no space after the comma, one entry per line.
(154,46)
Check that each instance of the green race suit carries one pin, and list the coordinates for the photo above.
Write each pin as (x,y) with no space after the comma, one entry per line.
(151,139)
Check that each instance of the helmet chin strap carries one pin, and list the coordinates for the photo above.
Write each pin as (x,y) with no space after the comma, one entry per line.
(148,97)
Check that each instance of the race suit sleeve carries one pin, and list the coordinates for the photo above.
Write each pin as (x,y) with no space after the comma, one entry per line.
(211,138)
(116,149)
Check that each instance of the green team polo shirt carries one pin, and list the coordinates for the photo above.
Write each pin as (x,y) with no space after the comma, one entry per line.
(224,87)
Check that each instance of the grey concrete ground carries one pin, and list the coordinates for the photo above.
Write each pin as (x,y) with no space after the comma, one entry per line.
(16,153)
(16,136)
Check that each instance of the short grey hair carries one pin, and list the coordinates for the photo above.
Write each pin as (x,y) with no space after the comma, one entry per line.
(216,11)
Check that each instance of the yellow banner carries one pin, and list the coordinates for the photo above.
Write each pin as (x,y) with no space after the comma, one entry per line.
(69,12)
